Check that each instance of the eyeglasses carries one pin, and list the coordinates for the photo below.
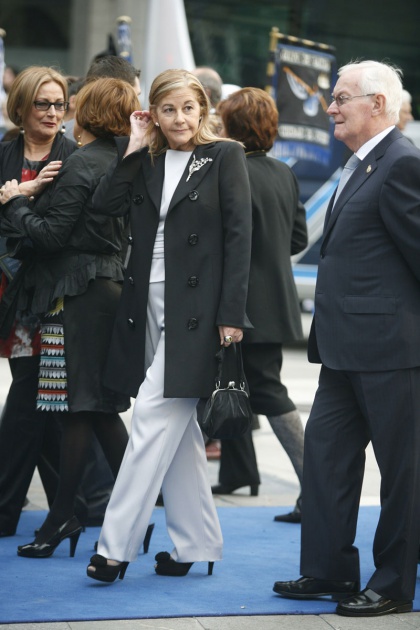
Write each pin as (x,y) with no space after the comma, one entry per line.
(342,100)
(44,106)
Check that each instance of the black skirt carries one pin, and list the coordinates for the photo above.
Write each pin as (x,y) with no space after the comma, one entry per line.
(262,366)
(75,340)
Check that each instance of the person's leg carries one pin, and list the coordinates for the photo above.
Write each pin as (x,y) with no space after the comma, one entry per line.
(269,396)
(288,429)
(191,516)
(21,434)
(75,441)
(336,437)
(392,401)
(157,427)
(238,465)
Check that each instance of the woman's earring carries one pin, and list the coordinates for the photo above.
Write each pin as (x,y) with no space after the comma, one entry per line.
(79,140)
(157,124)
(21,130)
(63,128)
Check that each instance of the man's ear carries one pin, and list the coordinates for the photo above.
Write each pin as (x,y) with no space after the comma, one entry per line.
(379,105)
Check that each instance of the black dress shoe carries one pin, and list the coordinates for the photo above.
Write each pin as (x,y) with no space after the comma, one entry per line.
(290,517)
(312,588)
(222,489)
(367,603)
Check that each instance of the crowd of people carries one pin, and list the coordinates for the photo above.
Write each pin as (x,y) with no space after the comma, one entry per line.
(135,249)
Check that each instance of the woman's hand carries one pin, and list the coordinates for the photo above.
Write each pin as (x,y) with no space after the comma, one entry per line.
(9,190)
(227,332)
(44,177)
(139,138)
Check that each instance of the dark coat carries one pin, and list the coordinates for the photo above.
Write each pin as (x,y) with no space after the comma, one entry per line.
(278,231)
(11,161)
(367,299)
(207,253)
(12,153)
(72,244)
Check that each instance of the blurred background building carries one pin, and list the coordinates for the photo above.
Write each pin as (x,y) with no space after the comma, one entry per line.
(230,35)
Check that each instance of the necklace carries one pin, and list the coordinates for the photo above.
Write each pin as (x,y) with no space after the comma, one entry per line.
(257,152)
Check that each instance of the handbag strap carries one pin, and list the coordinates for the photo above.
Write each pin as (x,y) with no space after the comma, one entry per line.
(220,356)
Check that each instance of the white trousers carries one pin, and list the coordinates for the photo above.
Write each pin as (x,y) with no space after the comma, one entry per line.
(165,450)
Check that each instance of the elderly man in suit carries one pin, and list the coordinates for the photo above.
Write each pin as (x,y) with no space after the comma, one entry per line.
(366,335)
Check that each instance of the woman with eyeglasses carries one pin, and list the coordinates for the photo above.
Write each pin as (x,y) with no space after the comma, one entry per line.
(74,283)
(37,103)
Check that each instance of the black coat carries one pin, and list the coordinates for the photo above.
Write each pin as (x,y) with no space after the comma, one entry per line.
(12,154)
(72,245)
(207,254)
(11,162)
(278,231)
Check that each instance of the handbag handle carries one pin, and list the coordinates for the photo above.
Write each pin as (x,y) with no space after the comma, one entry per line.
(220,356)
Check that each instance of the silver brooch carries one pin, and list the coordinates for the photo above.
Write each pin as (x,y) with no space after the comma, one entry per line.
(197,164)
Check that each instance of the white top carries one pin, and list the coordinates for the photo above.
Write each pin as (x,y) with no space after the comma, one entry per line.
(175,164)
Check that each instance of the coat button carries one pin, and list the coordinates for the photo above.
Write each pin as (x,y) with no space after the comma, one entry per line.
(192,323)
(138,199)
(193,281)
(193,195)
(131,323)
(193,239)
(131,280)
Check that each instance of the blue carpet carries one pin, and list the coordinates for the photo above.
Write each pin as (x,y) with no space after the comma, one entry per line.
(258,552)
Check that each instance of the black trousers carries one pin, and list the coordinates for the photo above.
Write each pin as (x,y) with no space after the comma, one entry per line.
(350,409)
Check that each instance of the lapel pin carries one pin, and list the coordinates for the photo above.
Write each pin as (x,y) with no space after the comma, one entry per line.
(369,168)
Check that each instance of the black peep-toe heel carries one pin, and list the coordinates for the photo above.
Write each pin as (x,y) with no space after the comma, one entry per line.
(105,572)
(165,565)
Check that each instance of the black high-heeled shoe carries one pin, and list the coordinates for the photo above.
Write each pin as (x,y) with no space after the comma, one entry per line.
(71,529)
(105,572)
(146,541)
(222,489)
(165,565)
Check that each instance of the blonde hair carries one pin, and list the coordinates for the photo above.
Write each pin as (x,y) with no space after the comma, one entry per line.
(25,88)
(166,82)
(103,107)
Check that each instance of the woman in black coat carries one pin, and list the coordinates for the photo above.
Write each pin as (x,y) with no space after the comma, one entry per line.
(184,295)
(74,282)
(278,231)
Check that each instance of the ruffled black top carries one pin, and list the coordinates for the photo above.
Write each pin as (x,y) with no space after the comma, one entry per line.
(64,243)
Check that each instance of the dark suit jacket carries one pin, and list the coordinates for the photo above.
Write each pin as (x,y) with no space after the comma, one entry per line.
(367,301)
(207,256)
(278,231)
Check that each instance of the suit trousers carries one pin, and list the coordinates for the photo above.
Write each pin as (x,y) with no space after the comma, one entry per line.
(165,450)
(350,409)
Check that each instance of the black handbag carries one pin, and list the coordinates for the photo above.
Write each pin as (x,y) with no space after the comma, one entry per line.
(227,413)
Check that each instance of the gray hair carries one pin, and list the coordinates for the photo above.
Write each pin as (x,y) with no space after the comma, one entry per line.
(380,78)
(406,97)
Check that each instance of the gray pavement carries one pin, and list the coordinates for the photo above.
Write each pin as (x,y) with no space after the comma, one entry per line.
(279,487)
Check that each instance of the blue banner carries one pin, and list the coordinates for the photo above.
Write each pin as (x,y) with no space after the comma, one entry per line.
(301,83)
